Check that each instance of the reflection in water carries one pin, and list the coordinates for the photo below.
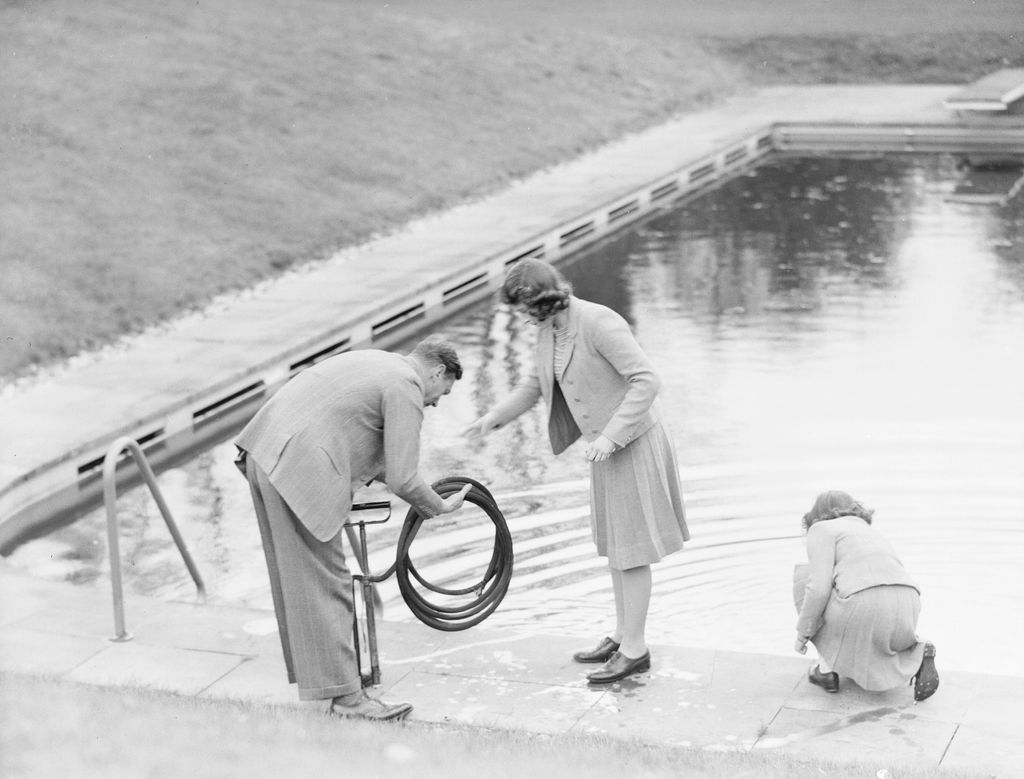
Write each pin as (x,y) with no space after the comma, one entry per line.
(818,324)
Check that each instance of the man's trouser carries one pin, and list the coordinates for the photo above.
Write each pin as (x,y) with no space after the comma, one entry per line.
(312,590)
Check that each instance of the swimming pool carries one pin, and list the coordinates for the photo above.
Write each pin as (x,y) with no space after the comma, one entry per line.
(820,323)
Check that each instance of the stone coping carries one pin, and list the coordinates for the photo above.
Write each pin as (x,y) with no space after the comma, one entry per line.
(713,700)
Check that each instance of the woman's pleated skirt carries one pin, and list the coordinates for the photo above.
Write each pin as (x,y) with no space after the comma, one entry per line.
(870,636)
(636,503)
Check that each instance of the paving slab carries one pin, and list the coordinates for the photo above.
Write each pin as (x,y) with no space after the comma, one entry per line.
(516,657)
(258,679)
(988,738)
(958,691)
(987,750)
(197,626)
(29,595)
(292,324)
(29,651)
(525,680)
(88,620)
(45,432)
(133,664)
(892,735)
(494,702)
(181,364)
(645,708)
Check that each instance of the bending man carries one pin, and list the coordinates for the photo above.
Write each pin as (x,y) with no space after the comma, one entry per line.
(336,426)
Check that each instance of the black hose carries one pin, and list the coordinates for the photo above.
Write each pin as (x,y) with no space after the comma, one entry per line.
(490,590)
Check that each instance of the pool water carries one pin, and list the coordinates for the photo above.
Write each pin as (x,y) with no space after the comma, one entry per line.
(817,323)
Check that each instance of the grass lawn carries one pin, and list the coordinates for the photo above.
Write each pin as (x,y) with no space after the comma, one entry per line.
(158,154)
(55,728)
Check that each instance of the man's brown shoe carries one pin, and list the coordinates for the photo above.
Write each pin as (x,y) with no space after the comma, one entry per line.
(366,708)
(598,654)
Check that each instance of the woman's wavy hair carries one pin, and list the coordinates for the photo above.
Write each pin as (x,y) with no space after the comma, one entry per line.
(538,286)
(833,504)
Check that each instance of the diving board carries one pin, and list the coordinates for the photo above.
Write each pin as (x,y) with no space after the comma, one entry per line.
(994,92)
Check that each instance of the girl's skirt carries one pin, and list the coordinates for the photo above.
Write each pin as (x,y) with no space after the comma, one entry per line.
(870,636)
(636,504)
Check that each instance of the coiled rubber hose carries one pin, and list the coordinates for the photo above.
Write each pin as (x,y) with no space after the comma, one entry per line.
(490,590)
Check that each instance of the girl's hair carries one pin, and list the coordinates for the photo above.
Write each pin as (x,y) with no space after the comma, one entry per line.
(538,286)
(832,504)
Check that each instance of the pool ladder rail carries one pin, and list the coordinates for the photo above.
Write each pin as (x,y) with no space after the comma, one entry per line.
(110,462)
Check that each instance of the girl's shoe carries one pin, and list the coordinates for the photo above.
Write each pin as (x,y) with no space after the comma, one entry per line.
(619,667)
(828,682)
(599,654)
(926,680)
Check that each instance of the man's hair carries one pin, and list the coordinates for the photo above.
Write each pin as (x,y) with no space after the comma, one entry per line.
(438,350)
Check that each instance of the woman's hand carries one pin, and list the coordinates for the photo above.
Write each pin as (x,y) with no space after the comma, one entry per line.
(599,449)
(480,427)
(800,645)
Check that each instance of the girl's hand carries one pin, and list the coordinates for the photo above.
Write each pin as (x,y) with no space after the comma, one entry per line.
(479,428)
(599,449)
(800,645)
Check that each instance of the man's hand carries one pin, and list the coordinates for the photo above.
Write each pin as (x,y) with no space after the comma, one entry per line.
(800,645)
(599,449)
(479,428)
(454,502)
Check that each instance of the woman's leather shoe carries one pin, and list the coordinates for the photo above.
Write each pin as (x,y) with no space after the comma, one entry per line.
(926,680)
(828,682)
(619,667)
(599,654)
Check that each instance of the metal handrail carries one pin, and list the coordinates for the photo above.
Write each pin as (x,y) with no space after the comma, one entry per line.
(113,532)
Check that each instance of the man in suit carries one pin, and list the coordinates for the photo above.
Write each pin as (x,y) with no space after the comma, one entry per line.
(334,427)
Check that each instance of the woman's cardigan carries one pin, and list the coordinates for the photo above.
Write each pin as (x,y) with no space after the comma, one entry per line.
(608,385)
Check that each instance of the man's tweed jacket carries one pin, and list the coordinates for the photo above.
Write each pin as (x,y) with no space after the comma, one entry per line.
(336,426)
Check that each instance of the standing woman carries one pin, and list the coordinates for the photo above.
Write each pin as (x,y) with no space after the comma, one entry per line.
(597,383)
(857,604)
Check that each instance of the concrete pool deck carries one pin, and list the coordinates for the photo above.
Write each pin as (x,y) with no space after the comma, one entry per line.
(692,698)
(53,429)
